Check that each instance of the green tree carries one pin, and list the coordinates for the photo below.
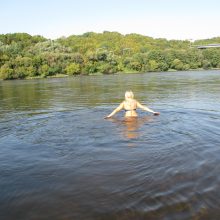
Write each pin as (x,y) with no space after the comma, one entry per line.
(90,68)
(206,64)
(73,69)
(23,55)
(44,70)
(135,65)
(6,72)
(152,66)
(177,64)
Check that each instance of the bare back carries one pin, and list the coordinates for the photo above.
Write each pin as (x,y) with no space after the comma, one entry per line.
(130,107)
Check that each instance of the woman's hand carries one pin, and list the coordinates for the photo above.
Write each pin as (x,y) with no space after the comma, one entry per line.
(156,113)
(106,117)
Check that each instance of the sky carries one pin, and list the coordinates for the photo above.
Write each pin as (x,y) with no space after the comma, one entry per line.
(170,19)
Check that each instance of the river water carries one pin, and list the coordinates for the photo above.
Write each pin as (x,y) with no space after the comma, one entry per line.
(59,159)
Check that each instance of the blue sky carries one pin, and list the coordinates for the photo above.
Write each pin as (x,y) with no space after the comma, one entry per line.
(171,19)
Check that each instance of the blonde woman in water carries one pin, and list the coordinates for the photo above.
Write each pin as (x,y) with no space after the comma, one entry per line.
(130,105)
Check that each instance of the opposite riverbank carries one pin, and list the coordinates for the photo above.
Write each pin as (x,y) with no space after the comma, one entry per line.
(96,74)
(23,56)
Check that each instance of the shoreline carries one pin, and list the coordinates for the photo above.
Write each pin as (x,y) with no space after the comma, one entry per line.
(102,74)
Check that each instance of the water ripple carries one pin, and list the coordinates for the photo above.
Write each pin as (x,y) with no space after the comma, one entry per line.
(59,159)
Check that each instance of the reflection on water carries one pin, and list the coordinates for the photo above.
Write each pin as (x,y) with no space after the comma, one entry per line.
(131,126)
(59,159)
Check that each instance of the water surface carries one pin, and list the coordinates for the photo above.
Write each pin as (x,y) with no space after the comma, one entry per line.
(59,159)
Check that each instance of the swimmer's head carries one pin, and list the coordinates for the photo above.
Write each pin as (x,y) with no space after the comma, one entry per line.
(129,95)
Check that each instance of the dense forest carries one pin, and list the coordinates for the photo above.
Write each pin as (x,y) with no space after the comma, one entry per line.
(25,56)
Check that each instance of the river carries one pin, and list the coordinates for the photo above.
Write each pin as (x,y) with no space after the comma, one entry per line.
(59,159)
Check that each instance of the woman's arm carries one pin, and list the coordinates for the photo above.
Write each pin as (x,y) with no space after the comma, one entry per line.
(119,108)
(145,108)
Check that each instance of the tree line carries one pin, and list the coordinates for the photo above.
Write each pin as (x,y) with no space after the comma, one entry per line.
(25,56)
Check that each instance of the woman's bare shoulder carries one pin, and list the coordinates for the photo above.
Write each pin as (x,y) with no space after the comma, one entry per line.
(136,101)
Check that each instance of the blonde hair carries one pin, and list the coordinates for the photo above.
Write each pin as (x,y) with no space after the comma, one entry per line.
(129,95)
